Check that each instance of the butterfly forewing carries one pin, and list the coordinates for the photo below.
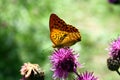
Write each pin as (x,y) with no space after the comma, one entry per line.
(62,34)
(55,22)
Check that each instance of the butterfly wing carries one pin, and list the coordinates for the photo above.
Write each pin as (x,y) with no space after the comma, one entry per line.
(62,34)
(72,37)
(55,22)
(55,25)
(57,37)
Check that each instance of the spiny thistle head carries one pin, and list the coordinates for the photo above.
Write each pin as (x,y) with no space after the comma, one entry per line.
(63,62)
(114,1)
(87,76)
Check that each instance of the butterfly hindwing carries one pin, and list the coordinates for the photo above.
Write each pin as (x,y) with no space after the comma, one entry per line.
(57,36)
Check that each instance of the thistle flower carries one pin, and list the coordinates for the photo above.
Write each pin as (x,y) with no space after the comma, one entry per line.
(63,62)
(31,72)
(114,49)
(113,62)
(87,76)
(114,1)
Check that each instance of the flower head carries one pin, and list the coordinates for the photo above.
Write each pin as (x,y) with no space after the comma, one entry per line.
(63,61)
(113,62)
(114,49)
(87,76)
(114,1)
(31,71)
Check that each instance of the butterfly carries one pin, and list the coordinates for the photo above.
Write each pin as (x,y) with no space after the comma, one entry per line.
(62,34)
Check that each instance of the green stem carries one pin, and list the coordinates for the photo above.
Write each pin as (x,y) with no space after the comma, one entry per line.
(76,73)
(118,72)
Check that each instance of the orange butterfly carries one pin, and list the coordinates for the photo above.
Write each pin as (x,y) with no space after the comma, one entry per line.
(62,34)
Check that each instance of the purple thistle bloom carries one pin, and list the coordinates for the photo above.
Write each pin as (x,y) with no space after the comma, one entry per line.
(114,49)
(113,62)
(64,61)
(87,76)
(114,1)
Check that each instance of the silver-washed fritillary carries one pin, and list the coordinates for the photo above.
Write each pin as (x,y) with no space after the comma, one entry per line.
(62,34)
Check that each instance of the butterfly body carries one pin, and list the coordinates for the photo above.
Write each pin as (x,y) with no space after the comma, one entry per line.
(62,34)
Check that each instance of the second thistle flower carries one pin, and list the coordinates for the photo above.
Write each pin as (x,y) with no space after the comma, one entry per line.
(114,49)
(113,62)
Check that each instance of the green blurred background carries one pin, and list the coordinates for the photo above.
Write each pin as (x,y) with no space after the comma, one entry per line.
(24,34)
